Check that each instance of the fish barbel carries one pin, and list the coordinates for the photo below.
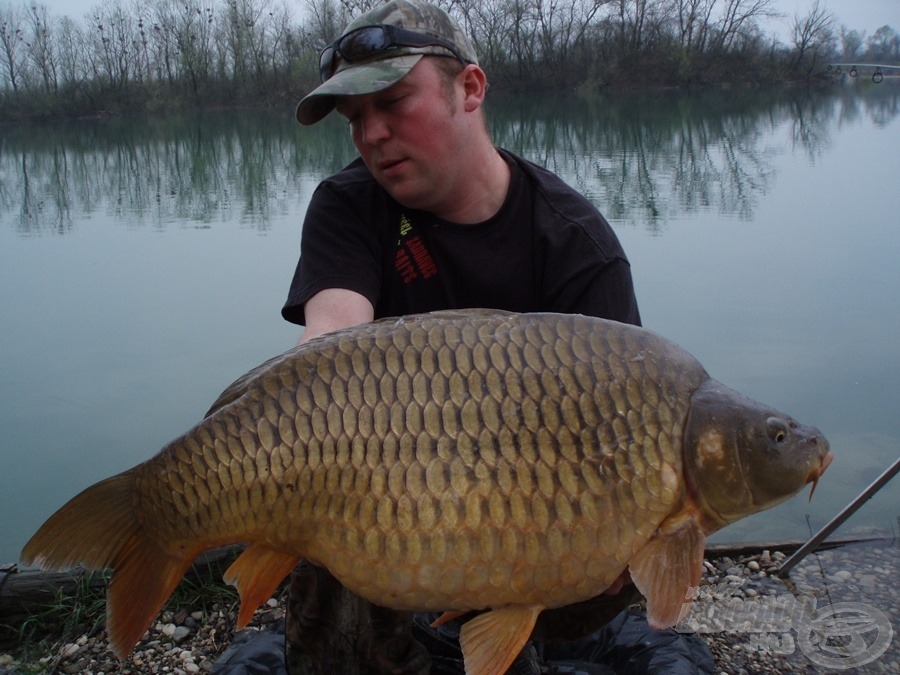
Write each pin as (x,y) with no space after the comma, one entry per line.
(447,462)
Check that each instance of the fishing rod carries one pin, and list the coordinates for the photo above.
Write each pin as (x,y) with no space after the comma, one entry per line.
(877,76)
(836,522)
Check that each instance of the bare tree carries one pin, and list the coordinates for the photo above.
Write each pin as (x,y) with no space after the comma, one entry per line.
(479,19)
(563,24)
(71,49)
(41,46)
(325,21)
(639,22)
(694,20)
(242,29)
(812,36)
(186,27)
(13,54)
(521,33)
(739,16)
(113,43)
(279,37)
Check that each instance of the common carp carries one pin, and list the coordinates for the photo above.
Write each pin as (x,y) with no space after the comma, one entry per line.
(447,462)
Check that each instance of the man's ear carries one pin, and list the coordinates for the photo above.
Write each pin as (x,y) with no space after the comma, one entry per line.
(474,83)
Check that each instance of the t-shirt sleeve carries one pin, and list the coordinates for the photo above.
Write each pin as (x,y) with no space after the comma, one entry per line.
(338,249)
(585,270)
(607,292)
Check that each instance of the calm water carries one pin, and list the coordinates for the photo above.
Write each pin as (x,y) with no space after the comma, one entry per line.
(143,264)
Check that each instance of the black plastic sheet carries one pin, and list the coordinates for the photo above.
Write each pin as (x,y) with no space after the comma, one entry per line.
(625,646)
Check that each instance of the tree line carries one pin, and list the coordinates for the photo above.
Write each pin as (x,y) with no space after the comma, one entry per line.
(154,55)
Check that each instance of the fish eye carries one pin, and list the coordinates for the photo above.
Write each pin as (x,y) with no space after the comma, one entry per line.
(776,429)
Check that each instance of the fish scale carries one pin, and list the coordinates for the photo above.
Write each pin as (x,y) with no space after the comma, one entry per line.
(448,461)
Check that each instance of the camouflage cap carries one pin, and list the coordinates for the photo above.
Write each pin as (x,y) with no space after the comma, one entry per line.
(389,66)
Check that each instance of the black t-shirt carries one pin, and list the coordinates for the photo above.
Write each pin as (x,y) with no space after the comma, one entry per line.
(547,249)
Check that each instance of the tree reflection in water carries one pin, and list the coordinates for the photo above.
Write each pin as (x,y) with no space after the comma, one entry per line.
(642,157)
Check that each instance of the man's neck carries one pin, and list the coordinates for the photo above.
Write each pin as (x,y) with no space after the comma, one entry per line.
(485,189)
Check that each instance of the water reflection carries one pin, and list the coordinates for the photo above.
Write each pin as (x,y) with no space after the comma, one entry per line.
(648,156)
(643,160)
(217,166)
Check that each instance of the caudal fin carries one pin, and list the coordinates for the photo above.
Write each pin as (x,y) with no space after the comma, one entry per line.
(99,529)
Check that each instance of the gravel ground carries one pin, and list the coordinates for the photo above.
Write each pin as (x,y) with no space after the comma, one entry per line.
(752,621)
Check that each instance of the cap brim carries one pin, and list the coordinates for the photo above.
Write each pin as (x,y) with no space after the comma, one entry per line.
(356,79)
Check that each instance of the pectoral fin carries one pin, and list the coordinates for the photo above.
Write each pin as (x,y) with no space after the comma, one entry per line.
(491,641)
(256,574)
(668,568)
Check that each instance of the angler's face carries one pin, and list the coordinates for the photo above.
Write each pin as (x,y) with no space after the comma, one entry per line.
(411,136)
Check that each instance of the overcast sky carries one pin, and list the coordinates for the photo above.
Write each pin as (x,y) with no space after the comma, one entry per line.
(863,15)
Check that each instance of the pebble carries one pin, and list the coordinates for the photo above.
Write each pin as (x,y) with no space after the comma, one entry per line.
(180,634)
(69,650)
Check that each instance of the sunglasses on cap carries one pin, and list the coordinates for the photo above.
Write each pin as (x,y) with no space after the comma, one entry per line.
(368,42)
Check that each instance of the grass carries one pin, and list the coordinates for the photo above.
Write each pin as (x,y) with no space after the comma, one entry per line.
(73,612)
(81,610)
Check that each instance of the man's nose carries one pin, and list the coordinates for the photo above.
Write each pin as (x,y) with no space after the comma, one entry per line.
(373,127)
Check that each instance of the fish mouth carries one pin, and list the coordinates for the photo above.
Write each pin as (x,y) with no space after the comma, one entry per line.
(817,472)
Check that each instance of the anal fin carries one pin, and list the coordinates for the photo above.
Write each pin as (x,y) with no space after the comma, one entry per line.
(491,641)
(668,568)
(256,574)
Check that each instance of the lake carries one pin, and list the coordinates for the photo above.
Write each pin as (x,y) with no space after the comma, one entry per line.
(143,264)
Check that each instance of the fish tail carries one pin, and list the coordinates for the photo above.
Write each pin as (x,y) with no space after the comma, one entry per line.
(99,529)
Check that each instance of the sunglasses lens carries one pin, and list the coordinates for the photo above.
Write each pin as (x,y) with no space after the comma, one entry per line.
(364,43)
(326,63)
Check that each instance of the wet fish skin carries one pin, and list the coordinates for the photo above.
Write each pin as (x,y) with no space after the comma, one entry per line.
(451,461)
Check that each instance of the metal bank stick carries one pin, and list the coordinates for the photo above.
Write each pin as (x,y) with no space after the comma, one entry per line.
(836,522)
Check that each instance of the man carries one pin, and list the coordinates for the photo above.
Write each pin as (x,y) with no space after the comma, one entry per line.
(431,216)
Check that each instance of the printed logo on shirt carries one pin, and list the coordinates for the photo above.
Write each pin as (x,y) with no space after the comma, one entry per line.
(413,261)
